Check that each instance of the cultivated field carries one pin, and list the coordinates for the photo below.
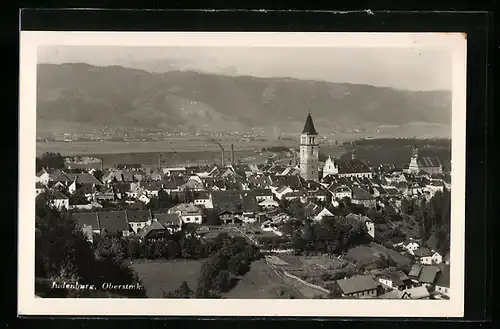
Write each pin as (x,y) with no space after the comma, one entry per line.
(172,145)
(174,152)
(310,269)
(261,282)
(163,276)
(368,254)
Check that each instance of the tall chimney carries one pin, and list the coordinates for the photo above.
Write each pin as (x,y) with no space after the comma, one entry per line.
(232,154)
(222,158)
(294,157)
(102,164)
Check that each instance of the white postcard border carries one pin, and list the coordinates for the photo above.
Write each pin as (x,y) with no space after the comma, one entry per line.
(28,304)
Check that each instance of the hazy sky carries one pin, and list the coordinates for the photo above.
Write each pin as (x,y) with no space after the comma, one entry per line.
(402,68)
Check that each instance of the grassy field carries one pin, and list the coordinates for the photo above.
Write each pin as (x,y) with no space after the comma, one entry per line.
(368,254)
(172,145)
(174,152)
(163,276)
(261,282)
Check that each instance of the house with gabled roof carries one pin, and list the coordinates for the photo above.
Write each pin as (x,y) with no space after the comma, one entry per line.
(340,192)
(362,197)
(39,188)
(89,223)
(294,195)
(262,194)
(415,272)
(358,286)
(394,279)
(189,212)
(281,191)
(427,256)
(259,181)
(152,231)
(395,294)
(43,177)
(138,219)
(84,178)
(105,194)
(352,168)
(171,221)
(442,282)
(114,223)
(318,195)
(58,200)
(86,206)
(322,213)
(428,274)
(151,188)
(269,204)
(202,199)
(242,204)
(174,170)
(419,292)
(432,165)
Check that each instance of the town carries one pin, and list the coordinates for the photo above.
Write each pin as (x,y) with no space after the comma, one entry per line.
(335,228)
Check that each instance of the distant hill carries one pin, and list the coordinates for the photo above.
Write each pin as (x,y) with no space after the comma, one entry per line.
(119,96)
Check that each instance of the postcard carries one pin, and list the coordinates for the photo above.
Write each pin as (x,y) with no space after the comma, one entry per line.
(242,174)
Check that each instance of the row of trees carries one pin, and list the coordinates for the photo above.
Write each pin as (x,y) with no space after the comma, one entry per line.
(185,244)
(221,271)
(434,219)
(62,254)
(333,235)
(50,160)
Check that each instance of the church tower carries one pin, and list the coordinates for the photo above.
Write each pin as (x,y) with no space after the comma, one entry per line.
(309,150)
(413,167)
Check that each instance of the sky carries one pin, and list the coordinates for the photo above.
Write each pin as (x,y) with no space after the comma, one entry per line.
(401,68)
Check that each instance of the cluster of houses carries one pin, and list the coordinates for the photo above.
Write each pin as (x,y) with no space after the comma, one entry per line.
(429,277)
(421,282)
(246,193)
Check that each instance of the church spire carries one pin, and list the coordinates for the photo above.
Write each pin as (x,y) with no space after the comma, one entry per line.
(415,151)
(309,126)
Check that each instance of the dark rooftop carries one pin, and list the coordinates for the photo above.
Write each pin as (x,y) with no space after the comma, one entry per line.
(357,283)
(309,126)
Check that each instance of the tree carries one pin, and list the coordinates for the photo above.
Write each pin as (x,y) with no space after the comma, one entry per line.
(183,291)
(50,160)
(98,174)
(78,197)
(63,253)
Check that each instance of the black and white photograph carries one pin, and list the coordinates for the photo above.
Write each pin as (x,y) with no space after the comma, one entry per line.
(282,174)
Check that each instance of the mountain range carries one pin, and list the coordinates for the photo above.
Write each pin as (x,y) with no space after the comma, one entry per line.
(122,96)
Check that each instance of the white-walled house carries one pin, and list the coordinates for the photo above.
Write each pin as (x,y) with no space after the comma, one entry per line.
(203,199)
(138,219)
(43,177)
(342,192)
(189,213)
(411,247)
(281,191)
(423,255)
(262,194)
(323,213)
(436,258)
(144,198)
(59,200)
(269,204)
(39,188)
